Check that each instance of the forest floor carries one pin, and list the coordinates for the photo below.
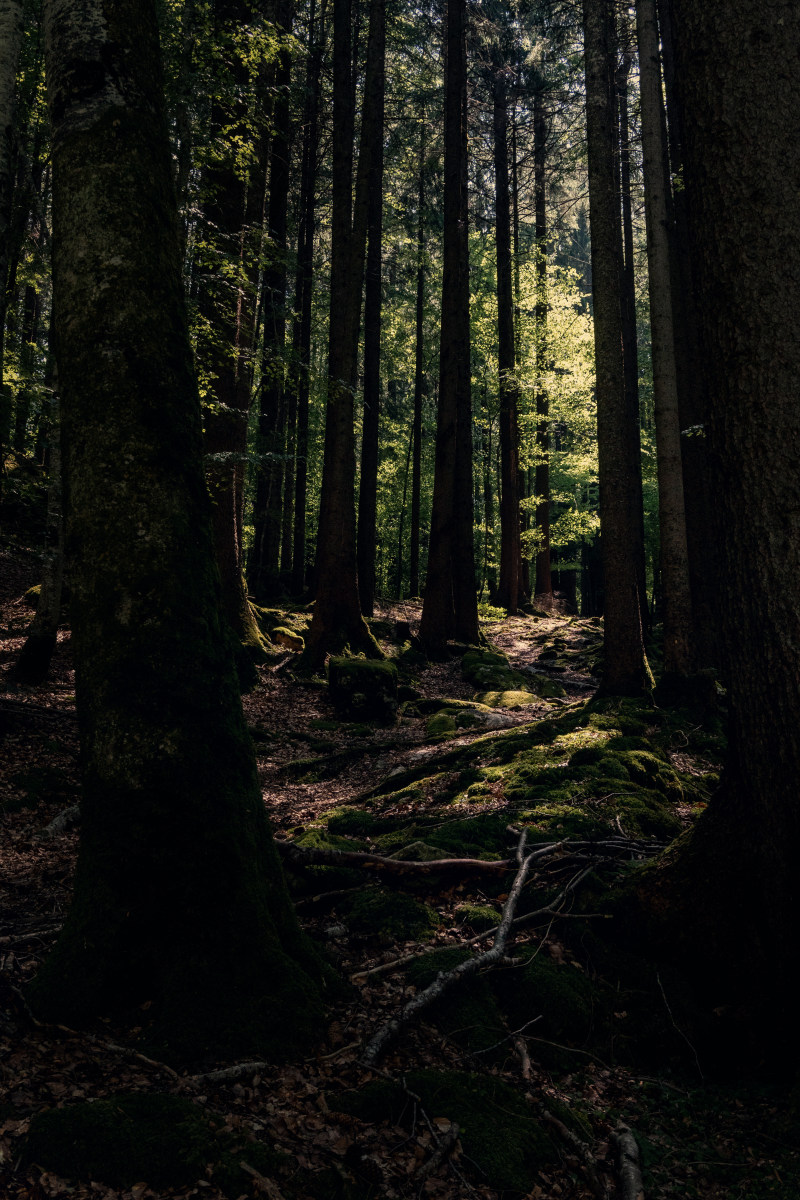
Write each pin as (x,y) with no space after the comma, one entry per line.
(517,1082)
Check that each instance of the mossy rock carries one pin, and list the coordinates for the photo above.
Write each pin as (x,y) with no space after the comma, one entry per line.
(31,597)
(477,917)
(364,689)
(388,916)
(440,725)
(500,1134)
(165,1141)
(570,1004)
(641,812)
(507,699)
(647,768)
(282,636)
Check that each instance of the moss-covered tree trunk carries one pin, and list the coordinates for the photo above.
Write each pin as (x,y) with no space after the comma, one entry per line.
(179,900)
(739,68)
(625,668)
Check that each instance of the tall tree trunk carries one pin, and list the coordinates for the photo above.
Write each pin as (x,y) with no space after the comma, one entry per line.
(738,71)
(337,619)
(305,273)
(419,373)
(11,30)
(450,606)
(543,584)
(510,583)
(263,574)
(701,543)
(630,347)
(672,520)
(625,663)
(522,485)
(368,489)
(179,899)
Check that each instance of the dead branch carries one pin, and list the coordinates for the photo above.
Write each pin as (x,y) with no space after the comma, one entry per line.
(303,856)
(596,1182)
(447,1144)
(69,817)
(630,1172)
(231,1074)
(524,1058)
(446,979)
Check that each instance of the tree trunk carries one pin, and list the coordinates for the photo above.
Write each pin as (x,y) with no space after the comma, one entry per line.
(368,488)
(543,583)
(672,520)
(625,663)
(419,374)
(510,583)
(450,605)
(11,29)
(734,915)
(337,620)
(180,914)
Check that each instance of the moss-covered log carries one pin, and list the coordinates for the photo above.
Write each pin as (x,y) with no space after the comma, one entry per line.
(180,914)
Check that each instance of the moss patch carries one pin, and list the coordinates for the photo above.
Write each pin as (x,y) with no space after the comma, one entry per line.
(388,916)
(364,689)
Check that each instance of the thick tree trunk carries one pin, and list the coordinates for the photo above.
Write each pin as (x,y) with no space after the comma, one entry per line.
(672,520)
(450,606)
(625,662)
(179,900)
(509,594)
(737,875)
(368,487)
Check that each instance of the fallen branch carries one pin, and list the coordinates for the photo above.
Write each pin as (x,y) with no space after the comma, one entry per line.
(447,1144)
(446,979)
(65,820)
(596,1182)
(630,1172)
(293,853)
(230,1074)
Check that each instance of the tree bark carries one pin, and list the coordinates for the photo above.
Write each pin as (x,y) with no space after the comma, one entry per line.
(625,668)
(509,593)
(543,582)
(179,900)
(337,620)
(450,606)
(368,487)
(672,519)
(419,373)
(738,72)
(11,29)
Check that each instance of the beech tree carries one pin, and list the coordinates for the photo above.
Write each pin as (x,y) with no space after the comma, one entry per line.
(179,900)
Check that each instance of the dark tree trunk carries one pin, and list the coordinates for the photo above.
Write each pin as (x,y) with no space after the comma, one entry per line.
(419,374)
(626,668)
(525,522)
(738,70)
(263,575)
(368,488)
(179,899)
(450,606)
(305,274)
(672,520)
(509,593)
(11,35)
(543,583)
(337,620)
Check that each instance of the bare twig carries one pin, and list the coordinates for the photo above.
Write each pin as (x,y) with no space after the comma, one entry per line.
(630,1172)
(446,979)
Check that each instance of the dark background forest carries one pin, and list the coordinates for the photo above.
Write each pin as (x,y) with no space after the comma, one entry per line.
(400,548)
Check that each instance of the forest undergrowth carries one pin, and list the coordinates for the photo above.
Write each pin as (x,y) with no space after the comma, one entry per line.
(517,1081)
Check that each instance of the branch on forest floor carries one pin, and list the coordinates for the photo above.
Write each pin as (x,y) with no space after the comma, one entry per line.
(230,1074)
(596,1182)
(318,856)
(630,1172)
(380,1042)
(65,820)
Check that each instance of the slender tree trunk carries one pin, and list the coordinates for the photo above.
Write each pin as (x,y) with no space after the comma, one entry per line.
(179,906)
(11,30)
(543,584)
(368,489)
(402,522)
(305,273)
(522,474)
(419,373)
(625,662)
(672,521)
(337,620)
(510,585)
(738,71)
(450,608)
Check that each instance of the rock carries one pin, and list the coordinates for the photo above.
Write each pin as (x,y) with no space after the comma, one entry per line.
(285,637)
(363,688)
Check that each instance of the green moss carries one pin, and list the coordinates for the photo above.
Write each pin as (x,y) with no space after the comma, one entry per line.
(363,688)
(477,916)
(500,1134)
(282,636)
(440,725)
(566,999)
(507,699)
(389,916)
(468,1014)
